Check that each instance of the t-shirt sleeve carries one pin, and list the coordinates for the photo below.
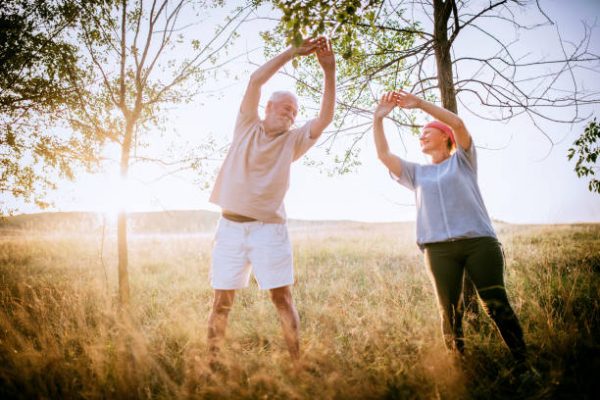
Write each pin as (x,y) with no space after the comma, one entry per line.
(469,156)
(407,178)
(243,123)
(302,140)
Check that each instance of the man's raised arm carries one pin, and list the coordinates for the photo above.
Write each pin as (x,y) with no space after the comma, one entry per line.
(326,59)
(266,71)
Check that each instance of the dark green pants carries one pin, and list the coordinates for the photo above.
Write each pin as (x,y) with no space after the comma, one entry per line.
(483,260)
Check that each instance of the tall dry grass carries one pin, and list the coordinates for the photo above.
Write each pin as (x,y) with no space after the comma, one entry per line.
(370,328)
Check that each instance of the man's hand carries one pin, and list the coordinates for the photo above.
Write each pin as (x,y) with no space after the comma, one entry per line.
(386,105)
(325,54)
(267,70)
(307,47)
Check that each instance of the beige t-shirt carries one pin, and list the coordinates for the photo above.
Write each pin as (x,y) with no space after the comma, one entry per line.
(255,175)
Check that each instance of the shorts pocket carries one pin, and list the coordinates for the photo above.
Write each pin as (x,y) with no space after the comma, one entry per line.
(218,230)
(281,232)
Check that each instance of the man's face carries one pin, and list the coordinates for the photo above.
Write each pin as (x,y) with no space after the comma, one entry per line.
(282,112)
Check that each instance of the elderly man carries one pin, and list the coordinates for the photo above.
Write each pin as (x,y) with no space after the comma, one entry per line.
(250,187)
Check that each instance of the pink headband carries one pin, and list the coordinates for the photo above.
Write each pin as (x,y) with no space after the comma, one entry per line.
(442,127)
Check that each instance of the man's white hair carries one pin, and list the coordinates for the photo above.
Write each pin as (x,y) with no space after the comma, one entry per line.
(278,95)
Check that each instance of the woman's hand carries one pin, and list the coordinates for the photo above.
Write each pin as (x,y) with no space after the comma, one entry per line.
(406,100)
(385,106)
(391,161)
(461,134)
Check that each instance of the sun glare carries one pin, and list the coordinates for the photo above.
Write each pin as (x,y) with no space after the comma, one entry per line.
(113,195)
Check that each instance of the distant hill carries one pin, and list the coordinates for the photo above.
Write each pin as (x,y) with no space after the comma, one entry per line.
(179,221)
(176,221)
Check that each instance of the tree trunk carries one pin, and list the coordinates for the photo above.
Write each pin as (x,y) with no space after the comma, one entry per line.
(443,58)
(123,258)
(122,220)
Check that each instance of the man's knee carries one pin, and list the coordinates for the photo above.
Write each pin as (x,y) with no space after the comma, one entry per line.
(282,297)
(223,302)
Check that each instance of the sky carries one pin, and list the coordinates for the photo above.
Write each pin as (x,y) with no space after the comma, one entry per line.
(522,178)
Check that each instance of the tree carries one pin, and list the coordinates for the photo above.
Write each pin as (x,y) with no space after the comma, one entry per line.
(587,149)
(413,45)
(133,69)
(37,59)
(391,44)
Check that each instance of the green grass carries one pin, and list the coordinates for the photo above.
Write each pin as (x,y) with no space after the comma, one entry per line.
(370,327)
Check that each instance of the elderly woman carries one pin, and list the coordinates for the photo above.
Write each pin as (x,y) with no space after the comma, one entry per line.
(454,230)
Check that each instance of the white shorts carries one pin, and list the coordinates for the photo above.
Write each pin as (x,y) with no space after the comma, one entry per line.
(242,246)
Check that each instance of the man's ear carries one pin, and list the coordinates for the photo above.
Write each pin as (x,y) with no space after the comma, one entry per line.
(268,107)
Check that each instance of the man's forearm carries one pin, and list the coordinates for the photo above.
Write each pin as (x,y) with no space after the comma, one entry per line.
(327,106)
(270,68)
(328,103)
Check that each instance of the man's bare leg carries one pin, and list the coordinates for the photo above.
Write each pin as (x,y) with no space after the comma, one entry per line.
(217,321)
(290,321)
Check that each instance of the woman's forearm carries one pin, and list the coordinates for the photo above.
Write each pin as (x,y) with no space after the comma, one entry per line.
(392,162)
(441,114)
(461,134)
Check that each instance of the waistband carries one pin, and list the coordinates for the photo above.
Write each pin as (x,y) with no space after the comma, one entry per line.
(462,240)
(237,217)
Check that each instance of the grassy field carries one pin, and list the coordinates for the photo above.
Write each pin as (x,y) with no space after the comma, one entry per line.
(370,328)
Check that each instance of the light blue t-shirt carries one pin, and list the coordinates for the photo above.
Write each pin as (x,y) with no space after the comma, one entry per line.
(448,200)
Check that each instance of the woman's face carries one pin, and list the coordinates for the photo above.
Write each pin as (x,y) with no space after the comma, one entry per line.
(433,140)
